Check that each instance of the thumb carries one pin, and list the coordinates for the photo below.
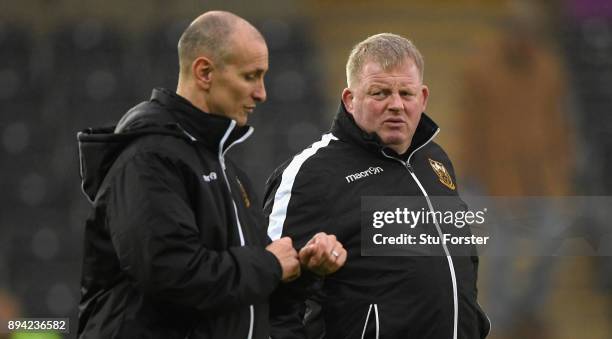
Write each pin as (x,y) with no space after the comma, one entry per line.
(306,253)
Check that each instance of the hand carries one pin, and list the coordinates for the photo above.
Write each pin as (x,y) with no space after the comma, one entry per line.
(287,257)
(323,254)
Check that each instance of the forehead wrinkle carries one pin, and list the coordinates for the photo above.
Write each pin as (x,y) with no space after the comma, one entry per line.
(394,81)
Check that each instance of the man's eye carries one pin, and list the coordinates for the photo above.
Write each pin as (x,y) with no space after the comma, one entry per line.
(252,76)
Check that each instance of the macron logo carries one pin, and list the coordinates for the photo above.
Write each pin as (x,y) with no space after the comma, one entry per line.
(359,175)
(208,178)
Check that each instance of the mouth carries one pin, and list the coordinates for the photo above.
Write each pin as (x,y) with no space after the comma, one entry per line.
(249,109)
(394,122)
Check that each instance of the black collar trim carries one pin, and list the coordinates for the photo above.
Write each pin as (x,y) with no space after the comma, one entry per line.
(198,125)
(345,128)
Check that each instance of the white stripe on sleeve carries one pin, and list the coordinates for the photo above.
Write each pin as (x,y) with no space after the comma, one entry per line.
(283,193)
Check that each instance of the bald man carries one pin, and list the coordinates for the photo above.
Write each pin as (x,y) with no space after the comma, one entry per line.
(176,245)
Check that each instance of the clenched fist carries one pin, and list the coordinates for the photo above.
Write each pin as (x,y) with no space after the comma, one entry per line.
(287,257)
(323,254)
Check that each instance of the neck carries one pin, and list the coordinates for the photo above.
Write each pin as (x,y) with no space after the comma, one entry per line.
(187,91)
(400,149)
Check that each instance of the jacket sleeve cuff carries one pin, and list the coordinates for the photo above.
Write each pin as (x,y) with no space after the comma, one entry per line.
(260,267)
(275,264)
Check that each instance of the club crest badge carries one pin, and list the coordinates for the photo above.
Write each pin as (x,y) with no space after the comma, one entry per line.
(442,173)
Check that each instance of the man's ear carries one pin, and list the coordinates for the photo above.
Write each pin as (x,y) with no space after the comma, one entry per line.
(202,68)
(425,93)
(347,99)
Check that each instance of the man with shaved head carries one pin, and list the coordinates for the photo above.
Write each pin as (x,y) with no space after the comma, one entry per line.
(175,245)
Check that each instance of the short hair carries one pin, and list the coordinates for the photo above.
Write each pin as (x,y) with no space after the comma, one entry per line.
(386,49)
(209,35)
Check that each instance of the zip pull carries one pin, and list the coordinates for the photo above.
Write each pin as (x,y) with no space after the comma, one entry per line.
(409,167)
(405,163)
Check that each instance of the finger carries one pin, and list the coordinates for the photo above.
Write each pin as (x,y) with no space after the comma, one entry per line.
(306,250)
(341,260)
(328,263)
(306,254)
(317,256)
(331,252)
(337,259)
(317,251)
(335,254)
(331,257)
(313,264)
(326,244)
(294,276)
(326,252)
(317,237)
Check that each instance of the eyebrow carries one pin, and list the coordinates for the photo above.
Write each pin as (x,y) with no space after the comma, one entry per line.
(401,86)
(257,71)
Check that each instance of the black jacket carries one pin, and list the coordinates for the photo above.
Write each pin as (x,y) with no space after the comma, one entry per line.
(174,245)
(320,189)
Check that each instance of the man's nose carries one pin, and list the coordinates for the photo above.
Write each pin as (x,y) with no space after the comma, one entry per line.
(395,103)
(259,94)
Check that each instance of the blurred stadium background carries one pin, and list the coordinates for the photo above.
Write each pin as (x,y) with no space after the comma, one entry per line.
(66,65)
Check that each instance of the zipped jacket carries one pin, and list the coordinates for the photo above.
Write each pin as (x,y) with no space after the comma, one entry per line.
(175,242)
(321,190)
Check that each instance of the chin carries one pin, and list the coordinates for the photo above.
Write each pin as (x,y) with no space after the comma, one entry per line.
(394,139)
(241,120)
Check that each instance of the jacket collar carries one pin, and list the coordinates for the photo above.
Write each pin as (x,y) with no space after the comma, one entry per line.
(345,128)
(212,130)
